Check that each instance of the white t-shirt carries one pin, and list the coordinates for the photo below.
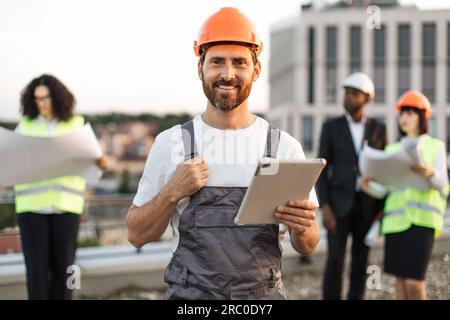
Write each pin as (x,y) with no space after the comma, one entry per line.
(231,156)
(357,131)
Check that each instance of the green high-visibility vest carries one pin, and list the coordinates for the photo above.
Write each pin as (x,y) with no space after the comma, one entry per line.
(410,206)
(62,193)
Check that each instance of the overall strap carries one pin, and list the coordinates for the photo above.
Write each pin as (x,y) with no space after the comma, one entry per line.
(187,132)
(273,140)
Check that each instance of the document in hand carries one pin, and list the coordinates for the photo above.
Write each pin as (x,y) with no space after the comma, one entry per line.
(392,169)
(274,184)
(412,149)
(25,159)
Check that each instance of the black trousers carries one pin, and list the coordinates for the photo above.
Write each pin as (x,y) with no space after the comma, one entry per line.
(49,243)
(357,224)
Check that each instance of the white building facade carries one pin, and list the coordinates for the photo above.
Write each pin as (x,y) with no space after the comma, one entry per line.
(311,56)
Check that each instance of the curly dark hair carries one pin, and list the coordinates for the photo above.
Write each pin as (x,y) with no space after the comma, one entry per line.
(63,101)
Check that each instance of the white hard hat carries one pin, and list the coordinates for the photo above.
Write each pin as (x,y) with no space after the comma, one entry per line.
(361,82)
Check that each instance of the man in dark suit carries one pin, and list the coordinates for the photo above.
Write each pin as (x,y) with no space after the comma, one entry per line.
(345,209)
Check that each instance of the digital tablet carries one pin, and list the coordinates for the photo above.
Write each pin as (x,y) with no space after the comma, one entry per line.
(275,183)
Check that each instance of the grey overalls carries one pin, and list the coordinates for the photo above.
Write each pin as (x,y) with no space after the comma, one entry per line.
(217,259)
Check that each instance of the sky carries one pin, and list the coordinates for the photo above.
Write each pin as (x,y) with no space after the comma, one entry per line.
(124,55)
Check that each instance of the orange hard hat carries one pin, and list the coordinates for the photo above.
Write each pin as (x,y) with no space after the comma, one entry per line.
(414,99)
(228,25)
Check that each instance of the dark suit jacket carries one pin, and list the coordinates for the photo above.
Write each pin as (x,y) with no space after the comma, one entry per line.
(336,185)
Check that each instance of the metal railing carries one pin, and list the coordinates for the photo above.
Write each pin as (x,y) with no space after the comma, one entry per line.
(105,213)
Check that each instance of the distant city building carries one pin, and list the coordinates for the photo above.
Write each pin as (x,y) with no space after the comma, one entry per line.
(311,55)
(127,145)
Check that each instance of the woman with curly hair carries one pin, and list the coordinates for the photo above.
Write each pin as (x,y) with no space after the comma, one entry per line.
(48,212)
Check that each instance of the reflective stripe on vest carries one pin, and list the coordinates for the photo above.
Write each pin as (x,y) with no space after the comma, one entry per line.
(63,193)
(48,188)
(31,127)
(413,206)
(417,205)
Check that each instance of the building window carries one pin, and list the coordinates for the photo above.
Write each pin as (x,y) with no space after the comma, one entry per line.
(448,63)
(429,61)
(404,59)
(282,68)
(331,65)
(448,135)
(379,64)
(311,63)
(307,133)
(355,49)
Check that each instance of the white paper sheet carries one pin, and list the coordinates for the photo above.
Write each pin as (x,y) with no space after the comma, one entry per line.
(26,159)
(412,149)
(392,169)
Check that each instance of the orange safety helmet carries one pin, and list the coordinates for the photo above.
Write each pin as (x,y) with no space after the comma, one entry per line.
(414,99)
(228,24)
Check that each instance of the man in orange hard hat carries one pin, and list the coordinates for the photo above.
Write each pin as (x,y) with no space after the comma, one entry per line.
(197,174)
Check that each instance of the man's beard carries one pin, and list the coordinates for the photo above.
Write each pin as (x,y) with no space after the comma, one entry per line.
(352,108)
(227,101)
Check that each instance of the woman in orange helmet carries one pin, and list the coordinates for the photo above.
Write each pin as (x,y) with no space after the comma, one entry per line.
(412,217)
